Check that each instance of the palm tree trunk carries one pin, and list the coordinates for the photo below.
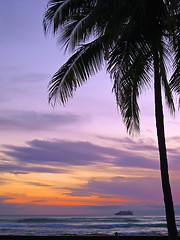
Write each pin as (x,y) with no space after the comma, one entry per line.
(170,216)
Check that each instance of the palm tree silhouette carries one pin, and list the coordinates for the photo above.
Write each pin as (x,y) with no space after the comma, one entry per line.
(135,39)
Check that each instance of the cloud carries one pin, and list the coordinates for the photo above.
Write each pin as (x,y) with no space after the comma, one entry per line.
(38,184)
(63,153)
(136,160)
(18,168)
(38,201)
(3,182)
(29,120)
(137,188)
(59,153)
(19,172)
(33,209)
(140,145)
(145,150)
(3,198)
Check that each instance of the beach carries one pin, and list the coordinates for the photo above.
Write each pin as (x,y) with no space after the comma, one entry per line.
(84,237)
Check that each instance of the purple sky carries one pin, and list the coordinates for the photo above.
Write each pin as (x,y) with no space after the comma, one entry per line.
(76,159)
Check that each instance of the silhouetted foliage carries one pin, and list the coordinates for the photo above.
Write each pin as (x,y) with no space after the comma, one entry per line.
(133,39)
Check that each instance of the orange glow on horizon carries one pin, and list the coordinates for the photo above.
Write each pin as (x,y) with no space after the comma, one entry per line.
(69,200)
(58,189)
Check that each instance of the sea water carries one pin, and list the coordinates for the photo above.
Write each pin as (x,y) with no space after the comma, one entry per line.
(84,225)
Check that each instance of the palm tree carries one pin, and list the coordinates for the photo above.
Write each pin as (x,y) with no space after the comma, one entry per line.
(134,39)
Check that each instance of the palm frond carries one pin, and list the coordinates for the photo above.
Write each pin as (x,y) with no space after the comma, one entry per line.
(125,32)
(84,63)
(61,12)
(76,32)
(130,70)
(175,80)
(49,15)
(175,40)
(163,58)
(126,93)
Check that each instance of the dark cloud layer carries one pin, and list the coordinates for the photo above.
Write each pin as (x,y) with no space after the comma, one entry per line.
(58,153)
(61,153)
(29,120)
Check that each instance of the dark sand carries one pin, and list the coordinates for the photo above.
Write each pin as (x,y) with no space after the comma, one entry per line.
(83,237)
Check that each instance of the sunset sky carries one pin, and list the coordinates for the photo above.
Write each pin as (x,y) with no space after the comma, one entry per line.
(76,159)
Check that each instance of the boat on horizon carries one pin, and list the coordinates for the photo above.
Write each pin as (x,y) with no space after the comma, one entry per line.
(124,213)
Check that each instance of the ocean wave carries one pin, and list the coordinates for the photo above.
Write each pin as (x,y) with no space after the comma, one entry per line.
(82,225)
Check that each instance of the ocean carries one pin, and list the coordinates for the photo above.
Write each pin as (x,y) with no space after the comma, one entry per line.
(84,225)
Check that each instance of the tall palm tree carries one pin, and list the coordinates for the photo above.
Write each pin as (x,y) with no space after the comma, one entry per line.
(134,38)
